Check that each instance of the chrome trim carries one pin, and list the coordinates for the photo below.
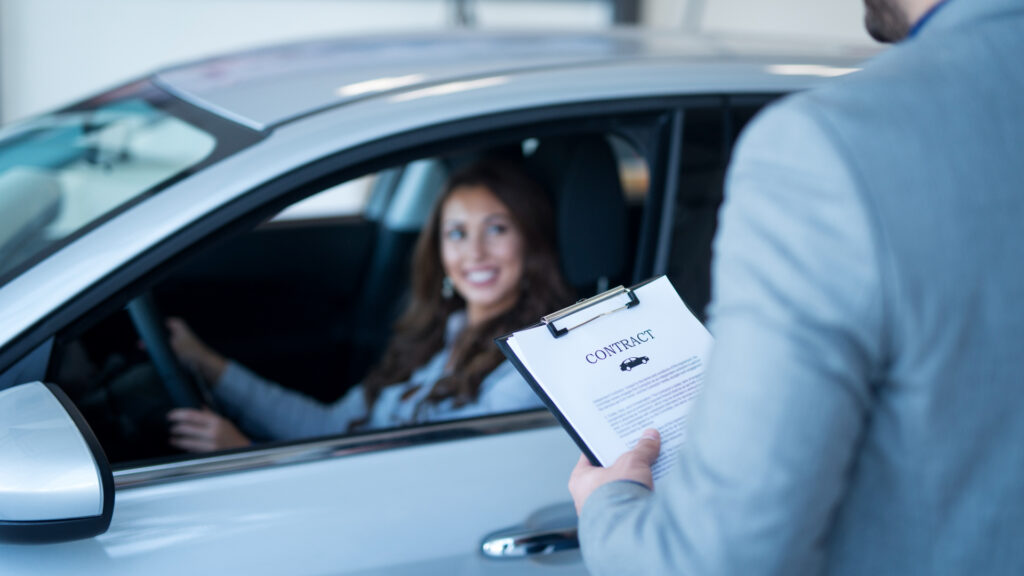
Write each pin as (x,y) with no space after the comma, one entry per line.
(523,544)
(671,191)
(594,302)
(545,533)
(584,304)
(202,104)
(340,447)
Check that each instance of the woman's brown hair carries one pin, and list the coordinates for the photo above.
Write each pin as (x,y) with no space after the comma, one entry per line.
(419,333)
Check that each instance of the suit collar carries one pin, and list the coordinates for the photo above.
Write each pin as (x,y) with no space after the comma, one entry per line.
(923,21)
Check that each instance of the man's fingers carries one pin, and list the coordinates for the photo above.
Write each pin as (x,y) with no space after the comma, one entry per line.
(583,466)
(649,446)
(643,454)
(634,466)
(583,463)
(578,483)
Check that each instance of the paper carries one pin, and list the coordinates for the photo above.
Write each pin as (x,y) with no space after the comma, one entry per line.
(623,372)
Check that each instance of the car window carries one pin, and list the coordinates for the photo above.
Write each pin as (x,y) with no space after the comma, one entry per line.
(306,301)
(63,172)
(633,169)
(709,133)
(349,198)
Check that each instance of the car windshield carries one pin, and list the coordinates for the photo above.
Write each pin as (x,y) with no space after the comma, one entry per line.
(64,172)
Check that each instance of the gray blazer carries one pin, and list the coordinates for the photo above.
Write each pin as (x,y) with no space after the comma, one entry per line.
(864,409)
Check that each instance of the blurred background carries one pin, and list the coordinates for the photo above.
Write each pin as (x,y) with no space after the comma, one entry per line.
(54,52)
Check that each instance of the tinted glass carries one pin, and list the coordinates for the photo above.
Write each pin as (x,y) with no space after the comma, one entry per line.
(63,172)
(306,299)
(708,137)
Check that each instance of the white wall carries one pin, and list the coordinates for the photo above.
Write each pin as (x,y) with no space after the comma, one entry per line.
(836,19)
(56,51)
(53,52)
(543,14)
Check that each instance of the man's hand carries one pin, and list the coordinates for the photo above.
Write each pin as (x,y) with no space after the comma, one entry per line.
(634,465)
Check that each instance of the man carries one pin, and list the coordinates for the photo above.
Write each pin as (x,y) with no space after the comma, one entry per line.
(864,406)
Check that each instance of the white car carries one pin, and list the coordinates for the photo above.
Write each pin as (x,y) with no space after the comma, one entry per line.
(271,197)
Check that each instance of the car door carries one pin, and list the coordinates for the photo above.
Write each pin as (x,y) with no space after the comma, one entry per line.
(413,500)
(424,499)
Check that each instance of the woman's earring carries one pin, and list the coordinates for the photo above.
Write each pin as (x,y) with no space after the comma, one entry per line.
(447,289)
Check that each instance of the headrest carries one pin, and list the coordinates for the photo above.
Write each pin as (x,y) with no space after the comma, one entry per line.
(418,187)
(582,175)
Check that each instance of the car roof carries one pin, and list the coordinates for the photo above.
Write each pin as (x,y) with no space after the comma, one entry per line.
(267,87)
(325,96)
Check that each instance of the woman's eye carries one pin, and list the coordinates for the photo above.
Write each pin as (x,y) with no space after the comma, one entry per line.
(497,229)
(455,234)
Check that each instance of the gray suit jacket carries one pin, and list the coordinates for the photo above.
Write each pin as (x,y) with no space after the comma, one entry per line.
(864,409)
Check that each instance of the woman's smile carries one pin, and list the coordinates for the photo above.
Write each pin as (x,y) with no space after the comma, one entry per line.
(481,251)
(482,276)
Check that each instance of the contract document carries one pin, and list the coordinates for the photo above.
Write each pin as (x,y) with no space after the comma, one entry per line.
(616,364)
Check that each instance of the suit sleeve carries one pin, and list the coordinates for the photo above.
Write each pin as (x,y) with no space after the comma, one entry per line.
(797,314)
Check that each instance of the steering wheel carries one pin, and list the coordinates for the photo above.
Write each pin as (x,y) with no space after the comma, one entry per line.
(183,390)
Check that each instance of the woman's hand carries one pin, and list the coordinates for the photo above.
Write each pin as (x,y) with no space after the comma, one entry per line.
(193,352)
(203,431)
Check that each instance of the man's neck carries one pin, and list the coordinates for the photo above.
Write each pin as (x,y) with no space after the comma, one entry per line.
(918,9)
(930,7)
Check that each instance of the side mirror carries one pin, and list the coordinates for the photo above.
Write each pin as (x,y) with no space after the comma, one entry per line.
(55,481)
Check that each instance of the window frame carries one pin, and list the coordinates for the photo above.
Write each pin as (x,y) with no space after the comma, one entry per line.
(246,212)
(727,106)
(228,138)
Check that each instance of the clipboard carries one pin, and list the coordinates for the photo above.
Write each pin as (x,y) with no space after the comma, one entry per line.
(559,324)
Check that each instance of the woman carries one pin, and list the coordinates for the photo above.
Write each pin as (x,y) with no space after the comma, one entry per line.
(484,265)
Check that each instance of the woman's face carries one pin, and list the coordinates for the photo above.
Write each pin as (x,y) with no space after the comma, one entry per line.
(481,251)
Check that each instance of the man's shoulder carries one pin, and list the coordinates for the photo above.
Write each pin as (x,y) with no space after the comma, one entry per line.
(871,104)
(891,77)
(784,128)
(917,79)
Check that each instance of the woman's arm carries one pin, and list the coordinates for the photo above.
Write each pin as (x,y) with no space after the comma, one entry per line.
(261,407)
(505,390)
(272,411)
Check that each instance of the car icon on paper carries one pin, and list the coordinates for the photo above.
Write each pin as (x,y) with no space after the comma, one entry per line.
(630,363)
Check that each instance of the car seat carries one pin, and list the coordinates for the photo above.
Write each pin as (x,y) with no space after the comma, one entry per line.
(407,195)
(581,174)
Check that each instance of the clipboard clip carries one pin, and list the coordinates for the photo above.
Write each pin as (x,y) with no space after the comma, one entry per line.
(599,306)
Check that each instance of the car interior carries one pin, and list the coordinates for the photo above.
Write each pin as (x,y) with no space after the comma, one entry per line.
(307,298)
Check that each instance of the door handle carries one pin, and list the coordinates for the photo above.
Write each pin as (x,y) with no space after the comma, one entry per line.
(546,532)
(520,543)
